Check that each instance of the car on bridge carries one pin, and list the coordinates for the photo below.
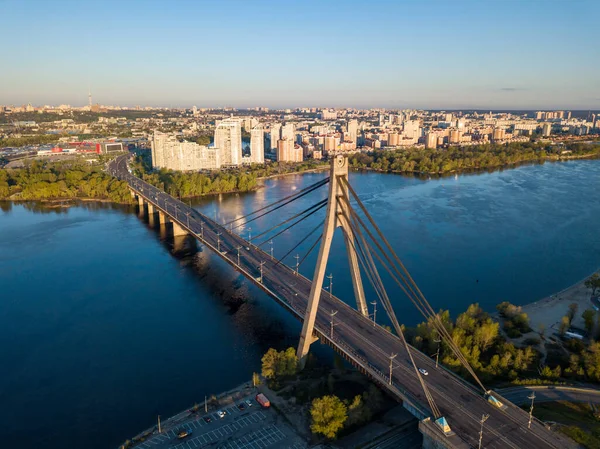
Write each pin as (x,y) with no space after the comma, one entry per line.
(423,371)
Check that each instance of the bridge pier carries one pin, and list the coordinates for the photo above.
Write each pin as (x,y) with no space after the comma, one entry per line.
(178,231)
(434,439)
(163,219)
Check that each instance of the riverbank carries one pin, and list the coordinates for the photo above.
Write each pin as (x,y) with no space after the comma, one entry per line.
(467,171)
(548,312)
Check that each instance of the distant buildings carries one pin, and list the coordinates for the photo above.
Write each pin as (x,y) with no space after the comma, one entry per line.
(288,151)
(275,135)
(170,153)
(228,138)
(257,145)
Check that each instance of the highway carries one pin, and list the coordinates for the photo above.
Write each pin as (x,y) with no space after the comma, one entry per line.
(367,345)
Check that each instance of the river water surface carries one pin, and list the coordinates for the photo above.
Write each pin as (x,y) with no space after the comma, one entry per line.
(105,323)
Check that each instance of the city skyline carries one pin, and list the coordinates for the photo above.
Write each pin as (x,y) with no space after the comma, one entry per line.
(459,55)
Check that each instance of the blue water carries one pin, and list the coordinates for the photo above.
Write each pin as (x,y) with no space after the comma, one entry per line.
(104,324)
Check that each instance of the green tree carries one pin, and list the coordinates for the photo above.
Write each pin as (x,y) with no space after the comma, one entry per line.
(269,363)
(589,316)
(564,325)
(358,412)
(328,415)
(593,282)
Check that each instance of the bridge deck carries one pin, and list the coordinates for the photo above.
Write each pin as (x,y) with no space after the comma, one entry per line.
(368,346)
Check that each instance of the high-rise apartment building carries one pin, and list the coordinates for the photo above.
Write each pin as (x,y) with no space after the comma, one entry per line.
(288,132)
(353,129)
(431,140)
(228,139)
(275,135)
(412,129)
(257,145)
(287,151)
(170,153)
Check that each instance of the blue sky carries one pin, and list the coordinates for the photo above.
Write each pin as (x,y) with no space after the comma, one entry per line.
(420,54)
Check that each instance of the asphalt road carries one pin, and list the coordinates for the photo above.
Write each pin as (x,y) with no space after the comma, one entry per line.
(520,395)
(367,345)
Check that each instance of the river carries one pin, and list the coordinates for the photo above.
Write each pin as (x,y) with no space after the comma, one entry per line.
(104,324)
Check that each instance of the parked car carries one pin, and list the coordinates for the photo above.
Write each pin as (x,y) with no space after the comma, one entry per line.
(248,402)
(183,433)
(241,406)
(222,414)
(207,419)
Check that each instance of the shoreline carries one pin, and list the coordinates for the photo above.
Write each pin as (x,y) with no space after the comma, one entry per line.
(548,311)
(589,156)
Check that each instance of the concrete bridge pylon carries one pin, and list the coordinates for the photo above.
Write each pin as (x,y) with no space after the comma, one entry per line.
(336,216)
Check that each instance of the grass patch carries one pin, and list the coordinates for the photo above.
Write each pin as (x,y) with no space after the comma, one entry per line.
(579,422)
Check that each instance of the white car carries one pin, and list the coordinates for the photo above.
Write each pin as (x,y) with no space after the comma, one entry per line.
(423,371)
(222,414)
(248,402)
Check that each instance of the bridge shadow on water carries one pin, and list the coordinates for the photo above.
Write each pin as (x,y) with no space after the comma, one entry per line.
(253,313)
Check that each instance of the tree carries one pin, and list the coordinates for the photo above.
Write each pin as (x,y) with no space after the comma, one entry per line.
(486,333)
(358,412)
(328,415)
(593,282)
(588,318)
(572,311)
(269,363)
(256,379)
(564,325)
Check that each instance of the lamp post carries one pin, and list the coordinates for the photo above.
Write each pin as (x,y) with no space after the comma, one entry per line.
(532,397)
(271,242)
(330,277)
(297,257)
(392,357)
(483,419)
(332,314)
(238,254)
(202,229)
(249,236)
(374,312)
(219,241)
(261,271)
(437,353)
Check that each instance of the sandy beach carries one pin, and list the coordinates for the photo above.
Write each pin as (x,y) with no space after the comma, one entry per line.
(550,310)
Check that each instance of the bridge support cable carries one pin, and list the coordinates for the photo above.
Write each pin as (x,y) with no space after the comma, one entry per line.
(374,278)
(430,316)
(314,245)
(321,203)
(300,243)
(287,200)
(293,224)
(408,284)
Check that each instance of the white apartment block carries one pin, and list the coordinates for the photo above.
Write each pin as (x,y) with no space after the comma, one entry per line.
(169,153)
(228,139)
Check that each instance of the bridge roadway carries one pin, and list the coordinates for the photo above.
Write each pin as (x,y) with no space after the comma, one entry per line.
(366,345)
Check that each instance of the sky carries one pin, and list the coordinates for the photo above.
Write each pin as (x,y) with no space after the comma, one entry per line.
(511,54)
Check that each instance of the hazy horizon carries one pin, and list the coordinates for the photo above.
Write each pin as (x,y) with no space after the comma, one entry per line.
(525,55)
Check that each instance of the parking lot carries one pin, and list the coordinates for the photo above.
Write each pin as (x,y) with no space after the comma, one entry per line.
(250,428)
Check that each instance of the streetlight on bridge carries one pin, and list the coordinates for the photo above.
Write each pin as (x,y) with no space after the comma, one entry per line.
(330,277)
(238,254)
(392,357)
(261,271)
(374,312)
(483,419)
(297,257)
(271,242)
(332,314)
(532,397)
(219,241)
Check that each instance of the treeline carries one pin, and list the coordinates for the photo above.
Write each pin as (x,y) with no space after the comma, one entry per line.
(457,159)
(183,184)
(42,180)
(29,140)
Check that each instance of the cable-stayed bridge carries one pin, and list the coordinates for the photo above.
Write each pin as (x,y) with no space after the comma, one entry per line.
(453,412)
